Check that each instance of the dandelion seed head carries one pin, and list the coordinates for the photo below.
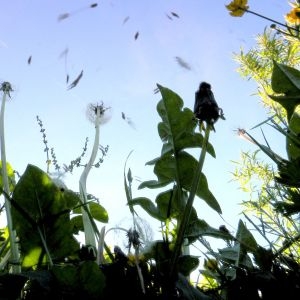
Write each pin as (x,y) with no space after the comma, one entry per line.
(104,112)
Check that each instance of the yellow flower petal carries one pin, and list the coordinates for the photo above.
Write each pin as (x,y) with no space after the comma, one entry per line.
(293,17)
(237,7)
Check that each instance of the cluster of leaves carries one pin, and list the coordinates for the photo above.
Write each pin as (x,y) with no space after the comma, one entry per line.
(46,218)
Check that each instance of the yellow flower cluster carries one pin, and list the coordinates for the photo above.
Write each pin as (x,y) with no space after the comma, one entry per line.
(237,7)
(293,17)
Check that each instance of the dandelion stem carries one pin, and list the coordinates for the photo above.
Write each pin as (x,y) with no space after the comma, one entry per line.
(88,226)
(189,205)
(16,268)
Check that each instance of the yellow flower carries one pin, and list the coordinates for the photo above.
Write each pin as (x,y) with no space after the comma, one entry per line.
(237,7)
(293,17)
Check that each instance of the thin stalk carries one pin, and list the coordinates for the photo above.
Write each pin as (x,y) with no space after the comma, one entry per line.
(189,205)
(87,224)
(269,19)
(15,256)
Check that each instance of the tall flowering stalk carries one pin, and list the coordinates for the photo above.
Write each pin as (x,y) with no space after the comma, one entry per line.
(96,115)
(15,256)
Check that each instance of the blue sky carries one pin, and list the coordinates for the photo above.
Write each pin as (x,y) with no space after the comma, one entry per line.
(122,72)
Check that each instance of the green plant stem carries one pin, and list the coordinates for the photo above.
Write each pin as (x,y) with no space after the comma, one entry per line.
(189,205)
(87,224)
(269,19)
(16,268)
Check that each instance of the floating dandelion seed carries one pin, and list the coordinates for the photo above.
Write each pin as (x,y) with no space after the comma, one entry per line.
(128,120)
(29,60)
(125,20)
(64,55)
(3,44)
(75,82)
(169,17)
(174,14)
(105,113)
(136,35)
(64,16)
(182,63)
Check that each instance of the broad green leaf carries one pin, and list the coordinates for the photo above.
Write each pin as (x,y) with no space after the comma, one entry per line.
(77,224)
(169,170)
(187,263)
(236,255)
(200,228)
(148,206)
(187,167)
(84,279)
(245,238)
(292,139)
(171,205)
(92,280)
(294,124)
(39,206)
(286,80)
(177,129)
(66,275)
(98,212)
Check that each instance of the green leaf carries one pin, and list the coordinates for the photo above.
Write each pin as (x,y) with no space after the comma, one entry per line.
(11,177)
(177,129)
(187,167)
(92,280)
(286,80)
(245,238)
(67,276)
(187,263)
(148,206)
(84,279)
(292,139)
(98,212)
(169,170)
(77,224)
(201,228)
(236,256)
(40,207)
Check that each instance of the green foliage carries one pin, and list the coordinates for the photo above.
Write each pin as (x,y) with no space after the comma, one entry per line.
(175,165)
(11,177)
(85,280)
(41,213)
